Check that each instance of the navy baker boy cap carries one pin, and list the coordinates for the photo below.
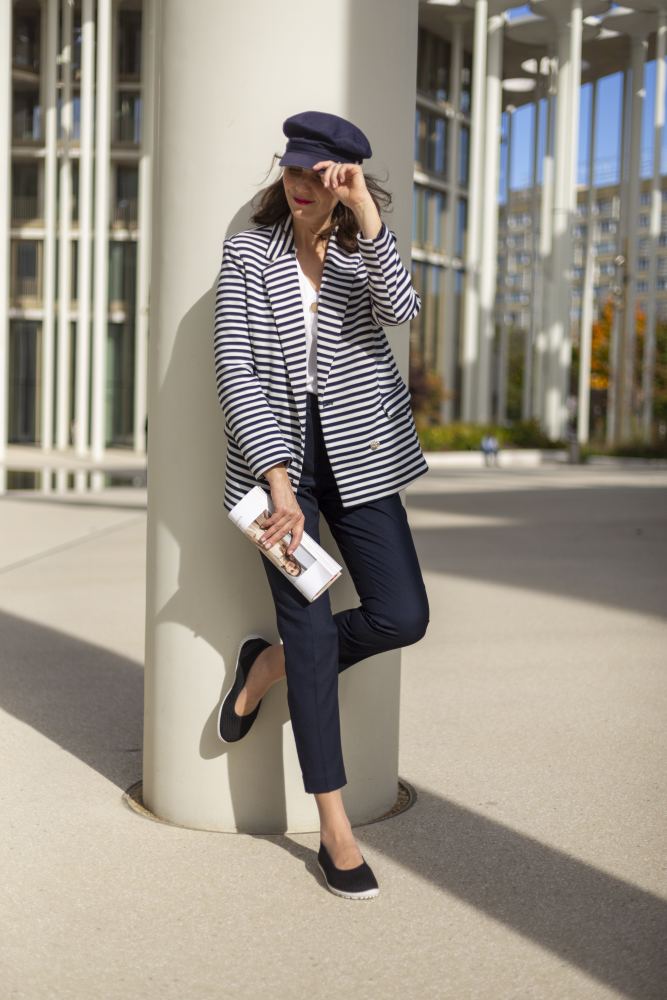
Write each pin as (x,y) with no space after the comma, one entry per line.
(314,135)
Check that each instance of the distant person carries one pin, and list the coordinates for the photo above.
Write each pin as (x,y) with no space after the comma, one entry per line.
(321,270)
(490,449)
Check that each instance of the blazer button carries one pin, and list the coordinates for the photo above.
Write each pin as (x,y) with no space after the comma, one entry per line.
(375,444)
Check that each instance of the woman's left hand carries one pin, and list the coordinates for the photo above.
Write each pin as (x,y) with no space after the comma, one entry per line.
(346,181)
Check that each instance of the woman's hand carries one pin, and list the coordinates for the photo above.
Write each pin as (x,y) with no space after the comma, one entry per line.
(287,515)
(347,182)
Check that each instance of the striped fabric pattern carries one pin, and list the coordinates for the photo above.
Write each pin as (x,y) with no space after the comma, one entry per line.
(259,346)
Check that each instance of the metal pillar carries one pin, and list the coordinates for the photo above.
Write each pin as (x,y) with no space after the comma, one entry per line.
(648,367)
(448,333)
(5,216)
(626,382)
(65,241)
(489,249)
(569,70)
(473,237)
(585,330)
(145,193)
(49,257)
(82,399)
(101,234)
(545,268)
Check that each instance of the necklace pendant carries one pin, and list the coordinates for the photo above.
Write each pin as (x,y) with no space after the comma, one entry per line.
(313,307)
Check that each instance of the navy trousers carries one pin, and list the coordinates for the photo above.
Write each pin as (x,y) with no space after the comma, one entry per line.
(377,547)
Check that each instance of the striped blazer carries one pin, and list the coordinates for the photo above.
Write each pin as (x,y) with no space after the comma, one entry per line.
(260,364)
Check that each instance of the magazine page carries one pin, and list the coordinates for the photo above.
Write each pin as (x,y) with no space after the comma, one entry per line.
(310,568)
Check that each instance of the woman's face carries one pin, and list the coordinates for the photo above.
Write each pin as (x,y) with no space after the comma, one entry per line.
(307,197)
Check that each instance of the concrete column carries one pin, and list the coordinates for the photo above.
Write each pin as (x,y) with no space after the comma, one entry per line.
(586,327)
(648,367)
(626,382)
(614,394)
(206,587)
(489,248)
(145,205)
(529,346)
(5,216)
(65,239)
(475,201)
(569,71)
(502,357)
(49,256)
(545,269)
(448,333)
(84,269)
(101,234)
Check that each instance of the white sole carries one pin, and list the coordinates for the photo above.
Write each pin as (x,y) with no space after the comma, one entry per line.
(252,635)
(367,894)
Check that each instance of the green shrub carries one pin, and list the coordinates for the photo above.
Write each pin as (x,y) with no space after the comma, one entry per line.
(468,437)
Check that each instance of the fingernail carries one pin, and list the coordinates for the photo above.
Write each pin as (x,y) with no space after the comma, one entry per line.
(267,545)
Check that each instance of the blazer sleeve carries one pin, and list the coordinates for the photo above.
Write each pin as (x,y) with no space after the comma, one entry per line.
(393,297)
(247,413)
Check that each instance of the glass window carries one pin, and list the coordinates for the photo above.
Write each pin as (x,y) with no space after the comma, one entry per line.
(464,149)
(26,115)
(127,117)
(433,59)
(461,224)
(23,390)
(25,52)
(127,181)
(129,43)
(466,83)
(437,145)
(25,208)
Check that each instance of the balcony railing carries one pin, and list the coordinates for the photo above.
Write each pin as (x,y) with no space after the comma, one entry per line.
(25,288)
(125,213)
(25,209)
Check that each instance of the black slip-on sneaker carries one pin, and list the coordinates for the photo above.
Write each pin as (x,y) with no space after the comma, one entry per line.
(352,883)
(233,727)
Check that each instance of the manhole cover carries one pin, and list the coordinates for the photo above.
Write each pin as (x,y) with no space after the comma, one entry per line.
(405,798)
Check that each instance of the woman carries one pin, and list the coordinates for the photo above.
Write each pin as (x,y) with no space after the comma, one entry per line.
(316,412)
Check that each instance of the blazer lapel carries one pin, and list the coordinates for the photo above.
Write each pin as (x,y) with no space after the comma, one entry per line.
(281,279)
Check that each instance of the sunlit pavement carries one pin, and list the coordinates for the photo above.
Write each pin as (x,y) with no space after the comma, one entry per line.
(532,728)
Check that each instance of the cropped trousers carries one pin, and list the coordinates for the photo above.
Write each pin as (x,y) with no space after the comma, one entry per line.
(378,550)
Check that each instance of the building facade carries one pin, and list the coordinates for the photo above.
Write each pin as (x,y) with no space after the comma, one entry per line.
(78,232)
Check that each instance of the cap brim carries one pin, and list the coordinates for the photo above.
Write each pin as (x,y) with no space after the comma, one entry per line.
(297,158)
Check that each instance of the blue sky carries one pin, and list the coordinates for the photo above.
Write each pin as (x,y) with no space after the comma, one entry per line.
(608,124)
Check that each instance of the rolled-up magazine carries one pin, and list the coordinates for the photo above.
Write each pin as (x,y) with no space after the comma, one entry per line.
(309,567)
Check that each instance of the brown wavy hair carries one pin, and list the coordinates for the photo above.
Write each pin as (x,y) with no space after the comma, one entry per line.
(272,207)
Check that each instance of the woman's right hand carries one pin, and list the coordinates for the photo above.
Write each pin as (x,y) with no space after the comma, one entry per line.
(287,516)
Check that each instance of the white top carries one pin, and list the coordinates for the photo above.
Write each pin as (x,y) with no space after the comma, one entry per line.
(309,299)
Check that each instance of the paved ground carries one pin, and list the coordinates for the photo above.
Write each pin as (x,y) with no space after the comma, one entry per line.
(533,729)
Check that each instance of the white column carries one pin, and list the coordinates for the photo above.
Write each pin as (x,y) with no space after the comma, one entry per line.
(65,239)
(531,334)
(502,357)
(5,215)
(626,384)
(614,393)
(586,327)
(489,247)
(101,252)
(648,368)
(569,68)
(545,268)
(448,333)
(205,587)
(144,221)
(473,237)
(84,269)
(49,256)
